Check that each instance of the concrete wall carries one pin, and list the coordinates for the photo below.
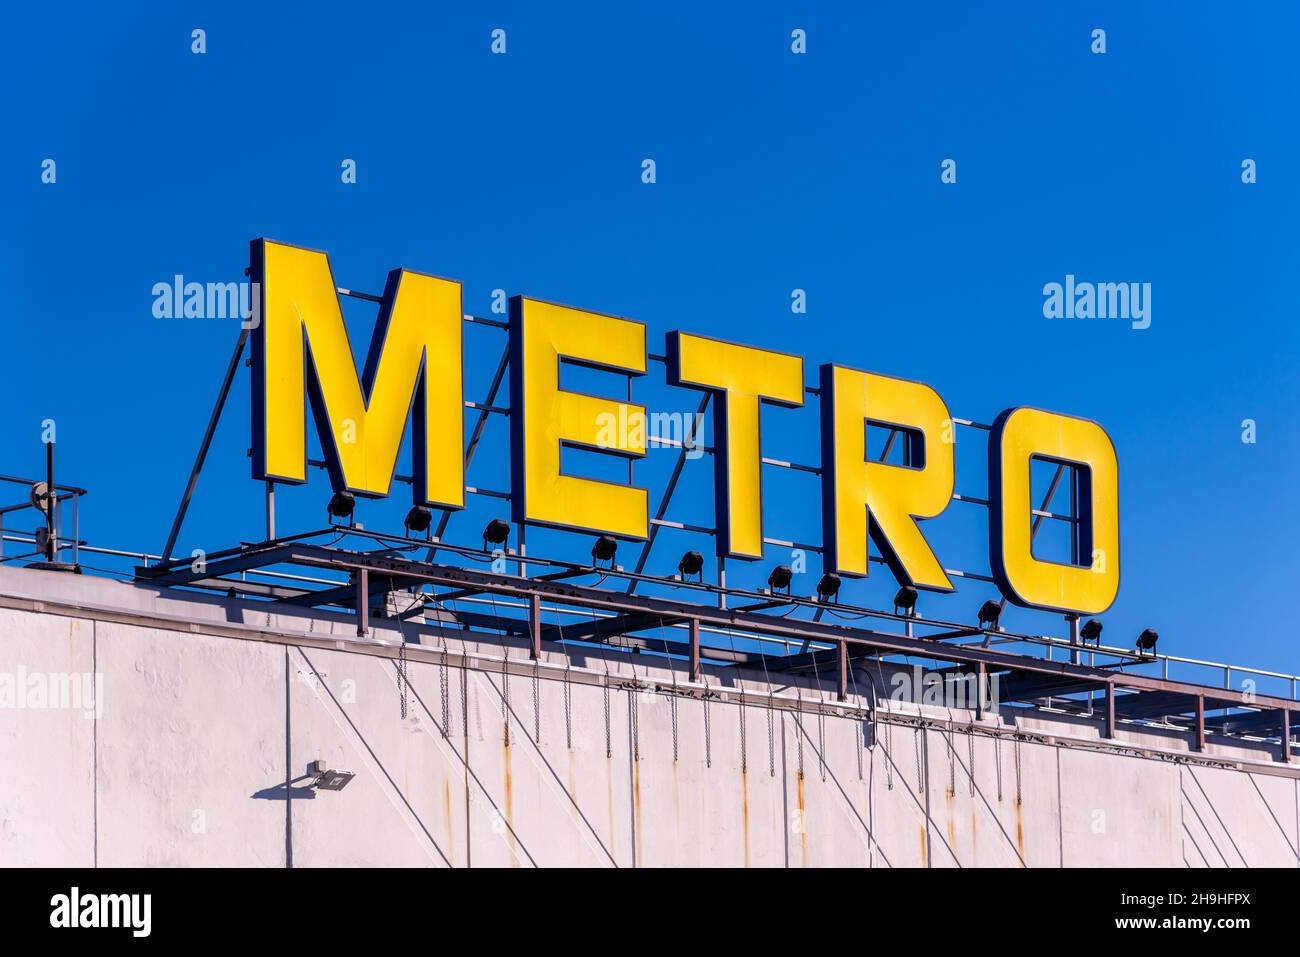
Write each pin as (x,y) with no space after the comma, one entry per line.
(211,709)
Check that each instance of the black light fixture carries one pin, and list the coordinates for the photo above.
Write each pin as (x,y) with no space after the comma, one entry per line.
(780,578)
(1147,641)
(1091,631)
(828,587)
(418,519)
(604,550)
(497,532)
(341,506)
(692,563)
(905,600)
(990,612)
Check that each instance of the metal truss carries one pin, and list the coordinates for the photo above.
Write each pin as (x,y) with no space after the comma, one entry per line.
(759,621)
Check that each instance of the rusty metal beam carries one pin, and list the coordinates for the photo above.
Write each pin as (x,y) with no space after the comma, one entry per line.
(534,626)
(695,649)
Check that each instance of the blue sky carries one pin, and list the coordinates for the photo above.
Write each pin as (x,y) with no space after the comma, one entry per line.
(774,172)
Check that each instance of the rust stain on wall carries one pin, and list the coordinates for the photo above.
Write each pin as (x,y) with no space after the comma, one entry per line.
(744,807)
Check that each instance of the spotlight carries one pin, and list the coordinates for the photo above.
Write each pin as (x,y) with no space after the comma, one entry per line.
(692,563)
(604,550)
(905,600)
(990,612)
(780,578)
(828,587)
(497,532)
(1091,631)
(418,519)
(328,779)
(341,506)
(1147,641)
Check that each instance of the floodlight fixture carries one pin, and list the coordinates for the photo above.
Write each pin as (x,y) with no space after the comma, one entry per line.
(828,588)
(604,550)
(905,601)
(989,614)
(692,563)
(780,579)
(328,779)
(341,506)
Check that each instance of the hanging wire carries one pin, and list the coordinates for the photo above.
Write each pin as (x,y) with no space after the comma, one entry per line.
(672,700)
(744,740)
(505,675)
(970,747)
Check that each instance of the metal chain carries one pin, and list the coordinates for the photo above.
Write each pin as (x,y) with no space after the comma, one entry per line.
(505,701)
(744,742)
(401,675)
(798,722)
(1018,791)
(920,771)
(568,712)
(997,762)
(970,748)
(635,714)
(771,738)
(443,689)
(708,734)
(673,703)
(952,762)
(609,744)
(821,741)
(537,704)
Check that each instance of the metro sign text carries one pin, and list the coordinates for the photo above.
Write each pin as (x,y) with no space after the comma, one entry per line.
(414,369)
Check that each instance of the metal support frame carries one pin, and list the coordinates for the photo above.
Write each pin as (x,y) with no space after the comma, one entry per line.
(363,601)
(695,649)
(534,626)
(220,404)
(1029,678)
(370,572)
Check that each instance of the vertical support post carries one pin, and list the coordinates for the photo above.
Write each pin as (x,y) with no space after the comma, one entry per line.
(981,679)
(722,581)
(1286,735)
(1109,730)
(1074,638)
(51,501)
(363,602)
(842,681)
(695,649)
(1200,722)
(519,534)
(535,626)
(270,510)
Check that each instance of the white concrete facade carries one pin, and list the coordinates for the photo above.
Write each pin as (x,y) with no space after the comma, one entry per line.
(211,708)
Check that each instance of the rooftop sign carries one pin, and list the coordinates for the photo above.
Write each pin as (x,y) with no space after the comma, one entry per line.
(414,370)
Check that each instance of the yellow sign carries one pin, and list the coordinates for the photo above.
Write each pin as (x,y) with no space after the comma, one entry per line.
(302,354)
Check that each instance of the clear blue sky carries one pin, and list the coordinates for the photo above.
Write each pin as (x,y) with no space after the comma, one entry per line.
(775,172)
